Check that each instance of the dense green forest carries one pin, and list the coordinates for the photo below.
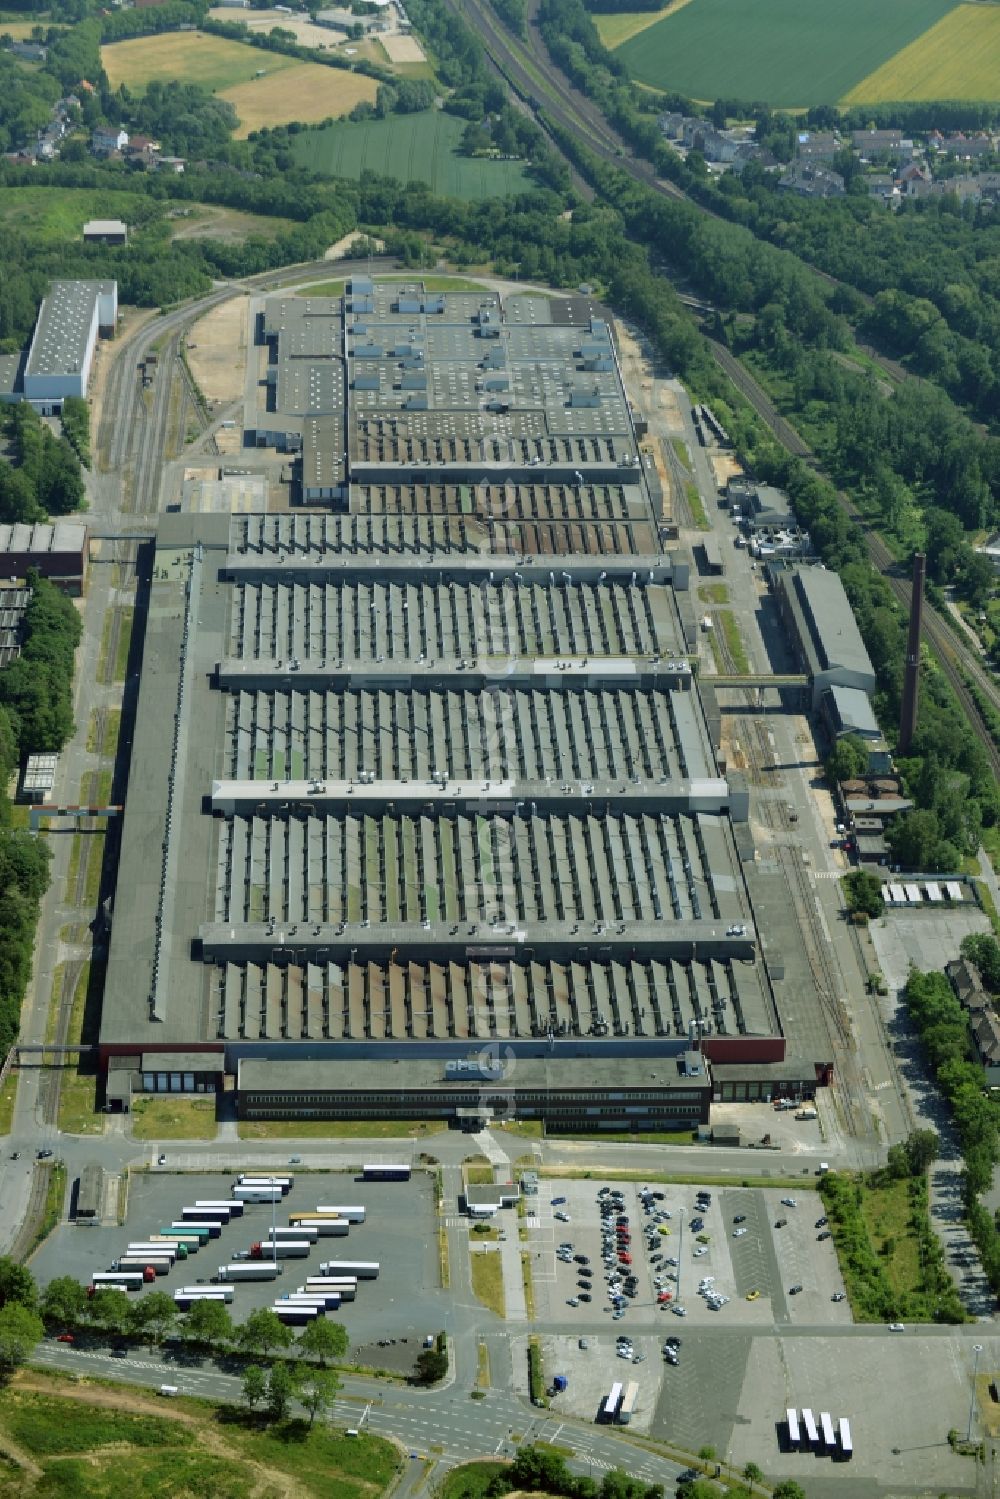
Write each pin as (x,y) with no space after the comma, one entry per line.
(36,713)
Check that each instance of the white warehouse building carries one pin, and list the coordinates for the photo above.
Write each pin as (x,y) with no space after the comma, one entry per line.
(62,348)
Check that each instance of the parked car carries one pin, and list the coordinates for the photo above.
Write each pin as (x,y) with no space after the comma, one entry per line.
(794,1290)
(65,1337)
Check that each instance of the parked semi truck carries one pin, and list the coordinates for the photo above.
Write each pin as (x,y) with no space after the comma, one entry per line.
(121,1280)
(326,1227)
(360,1269)
(259,1270)
(352,1214)
(287,1235)
(283,1249)
(348,1288)
(143,1262)
(290,1311)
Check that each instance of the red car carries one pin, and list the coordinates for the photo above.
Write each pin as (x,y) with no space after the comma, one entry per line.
(65,1337)
(625,1259)
(665,1296)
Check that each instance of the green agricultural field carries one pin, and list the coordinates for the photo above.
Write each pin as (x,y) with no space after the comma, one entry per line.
(791,53)
(413,148)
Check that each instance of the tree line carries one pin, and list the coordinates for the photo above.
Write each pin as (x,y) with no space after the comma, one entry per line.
(36,713)
(943,1027)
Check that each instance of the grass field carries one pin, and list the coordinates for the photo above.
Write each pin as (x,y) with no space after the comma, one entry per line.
(959,58)
(173,1118)
(487,1279)
(192,57)
(62,214)
(288,90)
(413,148)
(348,1129)
(787,52)
(621,27)
(90,1443)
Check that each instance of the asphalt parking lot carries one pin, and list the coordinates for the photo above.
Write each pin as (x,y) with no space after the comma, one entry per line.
(399,1232)
(734,1259)
(762,1258)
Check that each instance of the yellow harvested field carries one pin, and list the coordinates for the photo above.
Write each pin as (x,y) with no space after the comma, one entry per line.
(191,57)
(620,27)
(307,92)
(959,58)
(285,89)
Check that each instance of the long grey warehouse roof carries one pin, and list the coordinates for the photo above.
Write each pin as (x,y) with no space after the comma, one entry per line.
(64,323)
(560,1073)
(61,536)
(829,619)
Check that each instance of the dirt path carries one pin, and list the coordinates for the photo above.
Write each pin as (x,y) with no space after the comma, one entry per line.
(262,1480)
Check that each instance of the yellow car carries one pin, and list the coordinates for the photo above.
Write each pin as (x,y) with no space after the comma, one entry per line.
(753,1295)
(664,1230)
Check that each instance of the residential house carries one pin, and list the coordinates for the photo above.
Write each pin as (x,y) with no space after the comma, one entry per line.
(29,51)
(105,139)
(750,151)
(882,185)
(965,189)
(986,1036)
(882,145)
(968,986)
(139,145)
(811,182)
(174,164)
(967,147)
(817,145)
(716,145)
(913,180)
(672,124)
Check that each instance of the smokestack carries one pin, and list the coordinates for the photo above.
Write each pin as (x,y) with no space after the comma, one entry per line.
(911,679)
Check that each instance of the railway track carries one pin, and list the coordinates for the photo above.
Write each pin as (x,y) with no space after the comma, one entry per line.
(32,1220)
(956,663)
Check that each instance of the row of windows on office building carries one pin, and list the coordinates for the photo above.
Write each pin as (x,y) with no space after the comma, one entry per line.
(575,1102)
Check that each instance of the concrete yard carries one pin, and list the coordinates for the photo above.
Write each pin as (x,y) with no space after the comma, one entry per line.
(399,1232)
(740,1367)
(217,351)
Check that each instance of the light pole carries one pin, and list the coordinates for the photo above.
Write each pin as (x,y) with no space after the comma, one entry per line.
(977,1349)
(680,1255)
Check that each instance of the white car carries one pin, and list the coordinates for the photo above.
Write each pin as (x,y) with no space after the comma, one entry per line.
(702,1249)
(738,1233)
(573,1301)
(789,1202)
(896,1327)
(562,1217)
